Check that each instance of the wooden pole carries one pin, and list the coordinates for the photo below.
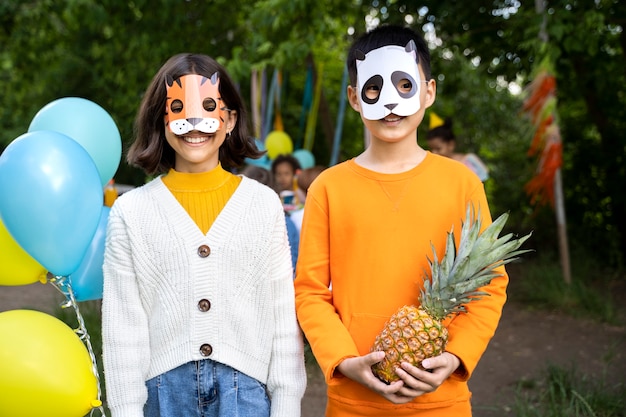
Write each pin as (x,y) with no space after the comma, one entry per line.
(559,208)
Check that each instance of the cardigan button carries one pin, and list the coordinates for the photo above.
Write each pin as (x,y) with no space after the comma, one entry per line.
(206,349)
(204,305)
(204,251)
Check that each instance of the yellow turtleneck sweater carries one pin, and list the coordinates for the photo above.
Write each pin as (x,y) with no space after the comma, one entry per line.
(202,195)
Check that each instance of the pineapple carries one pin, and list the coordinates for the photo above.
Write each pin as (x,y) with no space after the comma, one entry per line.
(414,333)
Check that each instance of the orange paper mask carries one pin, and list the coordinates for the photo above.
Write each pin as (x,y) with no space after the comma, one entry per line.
(194,103)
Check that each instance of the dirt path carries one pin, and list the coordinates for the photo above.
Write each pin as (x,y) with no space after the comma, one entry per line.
(525,343)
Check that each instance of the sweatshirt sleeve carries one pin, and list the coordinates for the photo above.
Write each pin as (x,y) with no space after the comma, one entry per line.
(287,376)
(471,332)
(329,339)
(126,356)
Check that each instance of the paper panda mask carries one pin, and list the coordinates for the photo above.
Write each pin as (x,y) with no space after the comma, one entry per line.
(388,81)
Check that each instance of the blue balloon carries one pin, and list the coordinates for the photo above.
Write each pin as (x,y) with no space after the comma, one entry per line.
(51,198)
(88,124)
(259,144)
(263,161)
(87,280)
(305,157)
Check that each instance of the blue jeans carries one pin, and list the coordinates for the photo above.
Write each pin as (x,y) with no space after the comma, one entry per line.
(206,389)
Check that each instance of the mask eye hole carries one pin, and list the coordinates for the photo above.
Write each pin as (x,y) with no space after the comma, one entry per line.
(371,89)
(209,104)
(176,106)
(404,84)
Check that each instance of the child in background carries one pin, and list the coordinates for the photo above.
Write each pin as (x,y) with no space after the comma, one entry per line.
(285,169)
(304,181)
(198,315)
(368,227)
(442,141)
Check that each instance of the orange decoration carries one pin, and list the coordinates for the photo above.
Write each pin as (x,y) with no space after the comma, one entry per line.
(546,142)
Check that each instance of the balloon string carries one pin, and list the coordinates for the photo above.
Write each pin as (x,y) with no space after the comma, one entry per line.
(63,284)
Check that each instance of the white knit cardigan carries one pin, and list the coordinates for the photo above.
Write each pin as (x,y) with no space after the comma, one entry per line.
(154,279)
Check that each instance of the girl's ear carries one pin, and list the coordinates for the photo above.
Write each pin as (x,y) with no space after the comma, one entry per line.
(231,120)
(353,98)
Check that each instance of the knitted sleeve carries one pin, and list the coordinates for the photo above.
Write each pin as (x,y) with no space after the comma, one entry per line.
(287,376)
(126,356)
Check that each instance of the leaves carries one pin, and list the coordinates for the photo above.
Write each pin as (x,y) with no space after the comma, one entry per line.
(456,280)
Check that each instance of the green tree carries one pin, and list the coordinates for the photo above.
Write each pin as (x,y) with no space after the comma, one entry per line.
(586,44)
(108,50)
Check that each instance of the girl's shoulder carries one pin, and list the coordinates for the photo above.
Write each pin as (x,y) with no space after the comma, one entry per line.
(141,191)
(258,193)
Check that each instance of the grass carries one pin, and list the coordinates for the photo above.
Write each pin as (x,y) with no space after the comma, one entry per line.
(539,284)
(567,393)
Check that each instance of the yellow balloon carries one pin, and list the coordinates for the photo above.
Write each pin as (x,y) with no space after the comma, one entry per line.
(17,267)
(46,370)
(277,143)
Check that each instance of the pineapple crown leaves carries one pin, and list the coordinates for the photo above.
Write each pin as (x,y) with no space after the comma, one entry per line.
(455,280)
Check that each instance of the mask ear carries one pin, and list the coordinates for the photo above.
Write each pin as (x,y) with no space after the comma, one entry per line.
(411,48)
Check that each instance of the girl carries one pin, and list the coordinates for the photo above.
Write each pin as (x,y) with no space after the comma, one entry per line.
(198,302)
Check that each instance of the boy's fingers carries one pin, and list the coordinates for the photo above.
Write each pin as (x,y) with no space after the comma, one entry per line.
(375,357)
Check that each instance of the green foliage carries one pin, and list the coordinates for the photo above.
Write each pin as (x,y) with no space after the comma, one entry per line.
(486,122)
(567,393)
(108,50)
(541,286)
(585,46)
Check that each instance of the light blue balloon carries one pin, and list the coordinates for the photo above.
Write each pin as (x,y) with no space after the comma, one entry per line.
(263,161)
(51,198)
(88,124)
(259,144)
(305,157)
(87,280)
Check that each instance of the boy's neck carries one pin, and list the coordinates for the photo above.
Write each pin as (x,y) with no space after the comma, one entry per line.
(391,158)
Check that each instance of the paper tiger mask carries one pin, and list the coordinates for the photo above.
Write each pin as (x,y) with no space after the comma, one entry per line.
(194,103)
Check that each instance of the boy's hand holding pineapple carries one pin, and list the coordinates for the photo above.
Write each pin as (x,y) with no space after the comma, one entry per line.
(415,333)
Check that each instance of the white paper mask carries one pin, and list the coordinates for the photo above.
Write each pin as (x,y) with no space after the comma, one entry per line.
(380,85)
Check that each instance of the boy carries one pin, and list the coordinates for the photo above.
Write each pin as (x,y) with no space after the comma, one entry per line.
(367,231)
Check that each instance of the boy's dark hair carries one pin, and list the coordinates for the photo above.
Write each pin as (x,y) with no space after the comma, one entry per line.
(383,36)
(291,160)
(150,150)
(444,132)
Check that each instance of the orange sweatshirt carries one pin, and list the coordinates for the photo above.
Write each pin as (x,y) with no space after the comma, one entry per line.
(369,235)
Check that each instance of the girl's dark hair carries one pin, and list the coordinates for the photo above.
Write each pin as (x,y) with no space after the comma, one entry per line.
(150,150)
(444,132)
(383,36)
